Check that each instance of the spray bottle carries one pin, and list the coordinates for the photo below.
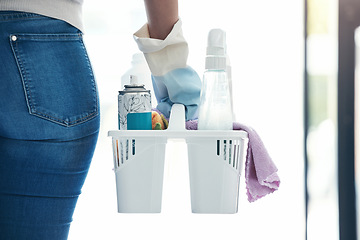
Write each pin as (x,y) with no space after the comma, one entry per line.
(139,68)
(215,110)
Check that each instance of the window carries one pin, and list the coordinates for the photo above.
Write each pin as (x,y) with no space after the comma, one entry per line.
(322,32)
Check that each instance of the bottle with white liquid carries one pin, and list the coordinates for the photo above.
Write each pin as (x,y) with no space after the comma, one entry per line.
(215,110)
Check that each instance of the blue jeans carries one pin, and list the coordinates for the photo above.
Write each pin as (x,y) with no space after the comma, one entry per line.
(49,123)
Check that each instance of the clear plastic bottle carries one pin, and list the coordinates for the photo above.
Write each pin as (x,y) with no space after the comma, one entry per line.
(229,77)
(215,110)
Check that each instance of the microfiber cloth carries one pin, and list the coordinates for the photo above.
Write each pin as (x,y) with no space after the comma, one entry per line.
(260,171)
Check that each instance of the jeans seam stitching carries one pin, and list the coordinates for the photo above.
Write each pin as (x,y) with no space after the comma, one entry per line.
(23,77)
(64,122)
(92,75)
(9,19)
(50,36)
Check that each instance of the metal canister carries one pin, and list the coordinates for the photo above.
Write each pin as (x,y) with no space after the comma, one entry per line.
(134,107)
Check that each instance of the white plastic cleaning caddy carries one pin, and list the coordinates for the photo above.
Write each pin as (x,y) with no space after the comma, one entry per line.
(216,160)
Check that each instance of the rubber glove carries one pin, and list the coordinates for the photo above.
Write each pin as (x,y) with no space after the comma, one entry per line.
(173,81)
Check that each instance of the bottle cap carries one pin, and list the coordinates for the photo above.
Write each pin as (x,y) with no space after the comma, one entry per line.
(213,62)
(134,85)
(134,80)
(216,50)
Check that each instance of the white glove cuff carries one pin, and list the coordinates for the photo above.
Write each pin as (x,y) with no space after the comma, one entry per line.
(165,55)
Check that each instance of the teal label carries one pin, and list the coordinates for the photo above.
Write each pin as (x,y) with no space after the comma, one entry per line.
(139,121)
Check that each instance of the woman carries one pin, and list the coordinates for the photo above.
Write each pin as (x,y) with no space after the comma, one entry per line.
(49,111)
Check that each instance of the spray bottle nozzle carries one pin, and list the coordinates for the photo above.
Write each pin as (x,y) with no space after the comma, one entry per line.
(134,80)
(216,50)
(216,42)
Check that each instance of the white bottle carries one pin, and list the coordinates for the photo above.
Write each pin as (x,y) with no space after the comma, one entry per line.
(215,111)
(139,68)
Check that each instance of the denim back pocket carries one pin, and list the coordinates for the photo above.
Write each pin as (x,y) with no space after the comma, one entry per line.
(58,81)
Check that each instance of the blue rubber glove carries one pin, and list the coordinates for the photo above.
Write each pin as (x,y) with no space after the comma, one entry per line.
(181,85)
(173,81)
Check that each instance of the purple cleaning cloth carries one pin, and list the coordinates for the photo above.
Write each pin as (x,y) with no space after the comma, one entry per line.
(261,176)
(260,171)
